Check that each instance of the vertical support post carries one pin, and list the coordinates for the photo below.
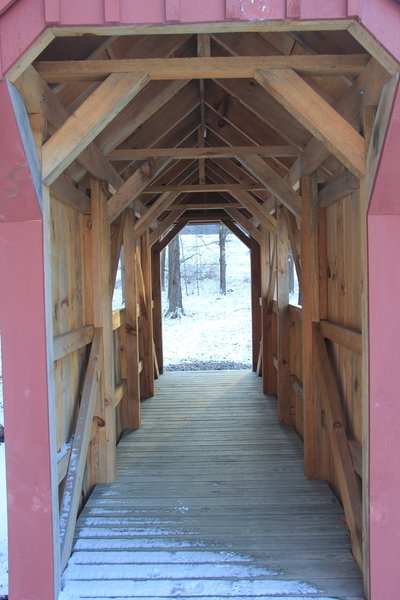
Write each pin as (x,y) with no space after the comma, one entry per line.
(27,341)
(268,284)
(310,299)
(105,449)
(284,416)
(255,268)
(32,510)
(131,404)
(157,305)
(147,329)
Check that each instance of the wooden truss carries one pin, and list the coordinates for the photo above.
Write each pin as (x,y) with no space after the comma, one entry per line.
(270,134)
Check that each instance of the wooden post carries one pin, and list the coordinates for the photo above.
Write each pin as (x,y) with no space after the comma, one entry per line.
(268,284)
(103,465)
(310,303)
(131,404)
(284,417)
(157,306)
(147,375)
(255,267)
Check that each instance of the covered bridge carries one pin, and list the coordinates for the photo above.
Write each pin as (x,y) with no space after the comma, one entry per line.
(120,123)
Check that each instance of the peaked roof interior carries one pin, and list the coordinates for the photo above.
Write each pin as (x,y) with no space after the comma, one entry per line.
(218,140)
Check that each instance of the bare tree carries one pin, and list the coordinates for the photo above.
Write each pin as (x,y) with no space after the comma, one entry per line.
(223,234)
(175,306)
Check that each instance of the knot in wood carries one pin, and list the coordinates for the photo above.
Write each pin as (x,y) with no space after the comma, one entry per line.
(99,421)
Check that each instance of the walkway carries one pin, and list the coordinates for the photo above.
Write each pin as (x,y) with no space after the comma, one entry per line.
(211,503)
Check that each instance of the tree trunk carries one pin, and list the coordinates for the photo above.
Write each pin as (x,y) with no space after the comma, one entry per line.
(223,233)
(175,307)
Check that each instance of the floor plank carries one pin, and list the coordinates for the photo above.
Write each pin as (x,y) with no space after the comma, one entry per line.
(211,503)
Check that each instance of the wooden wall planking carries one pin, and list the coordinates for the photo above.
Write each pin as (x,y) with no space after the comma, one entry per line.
(338,287)
(67,308)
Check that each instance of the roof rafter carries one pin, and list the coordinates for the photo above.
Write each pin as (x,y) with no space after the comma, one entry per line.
(323,121)
(273,182)
(40,98)
(80,129)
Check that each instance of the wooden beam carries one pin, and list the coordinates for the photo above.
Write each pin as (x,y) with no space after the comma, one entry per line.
(88,121)
(297,387)
(173,232)
(63,462)
(65,191)
(349,486)
(154,211)
(157,306)
(284,417)
(257,210)
(71,341)
(147,375)
(165,224)
(201,67)
(268,250)
(255,270)
(189,205)
(133,186)
(206,152)
(310,313)
(116,232)
(323,121)
(272,182)
(344,336)
(356,455)
(245,239)
(373,46)
(130,407)
(379,129)
(120,393)
(80,445)
(244,222)
(154,97)
(40,98)
(295,241)
(365,90)
(118,318)
(103,453)
(201,188)
(338,188)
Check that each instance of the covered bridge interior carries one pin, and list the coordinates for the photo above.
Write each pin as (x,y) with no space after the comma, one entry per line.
(277,135)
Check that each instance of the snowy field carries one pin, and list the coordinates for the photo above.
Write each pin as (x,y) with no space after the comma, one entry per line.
(215,329)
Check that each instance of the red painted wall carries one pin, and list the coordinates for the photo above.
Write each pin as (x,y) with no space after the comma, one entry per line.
(21,265)
(384,325)
(23,22)
(26,409)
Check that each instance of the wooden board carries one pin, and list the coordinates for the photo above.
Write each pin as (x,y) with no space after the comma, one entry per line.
(188,514)
(200,67)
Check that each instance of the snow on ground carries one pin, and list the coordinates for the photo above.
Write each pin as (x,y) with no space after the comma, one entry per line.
(214,328)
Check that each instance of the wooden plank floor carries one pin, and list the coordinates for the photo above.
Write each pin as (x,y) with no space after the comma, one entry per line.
(211,502)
